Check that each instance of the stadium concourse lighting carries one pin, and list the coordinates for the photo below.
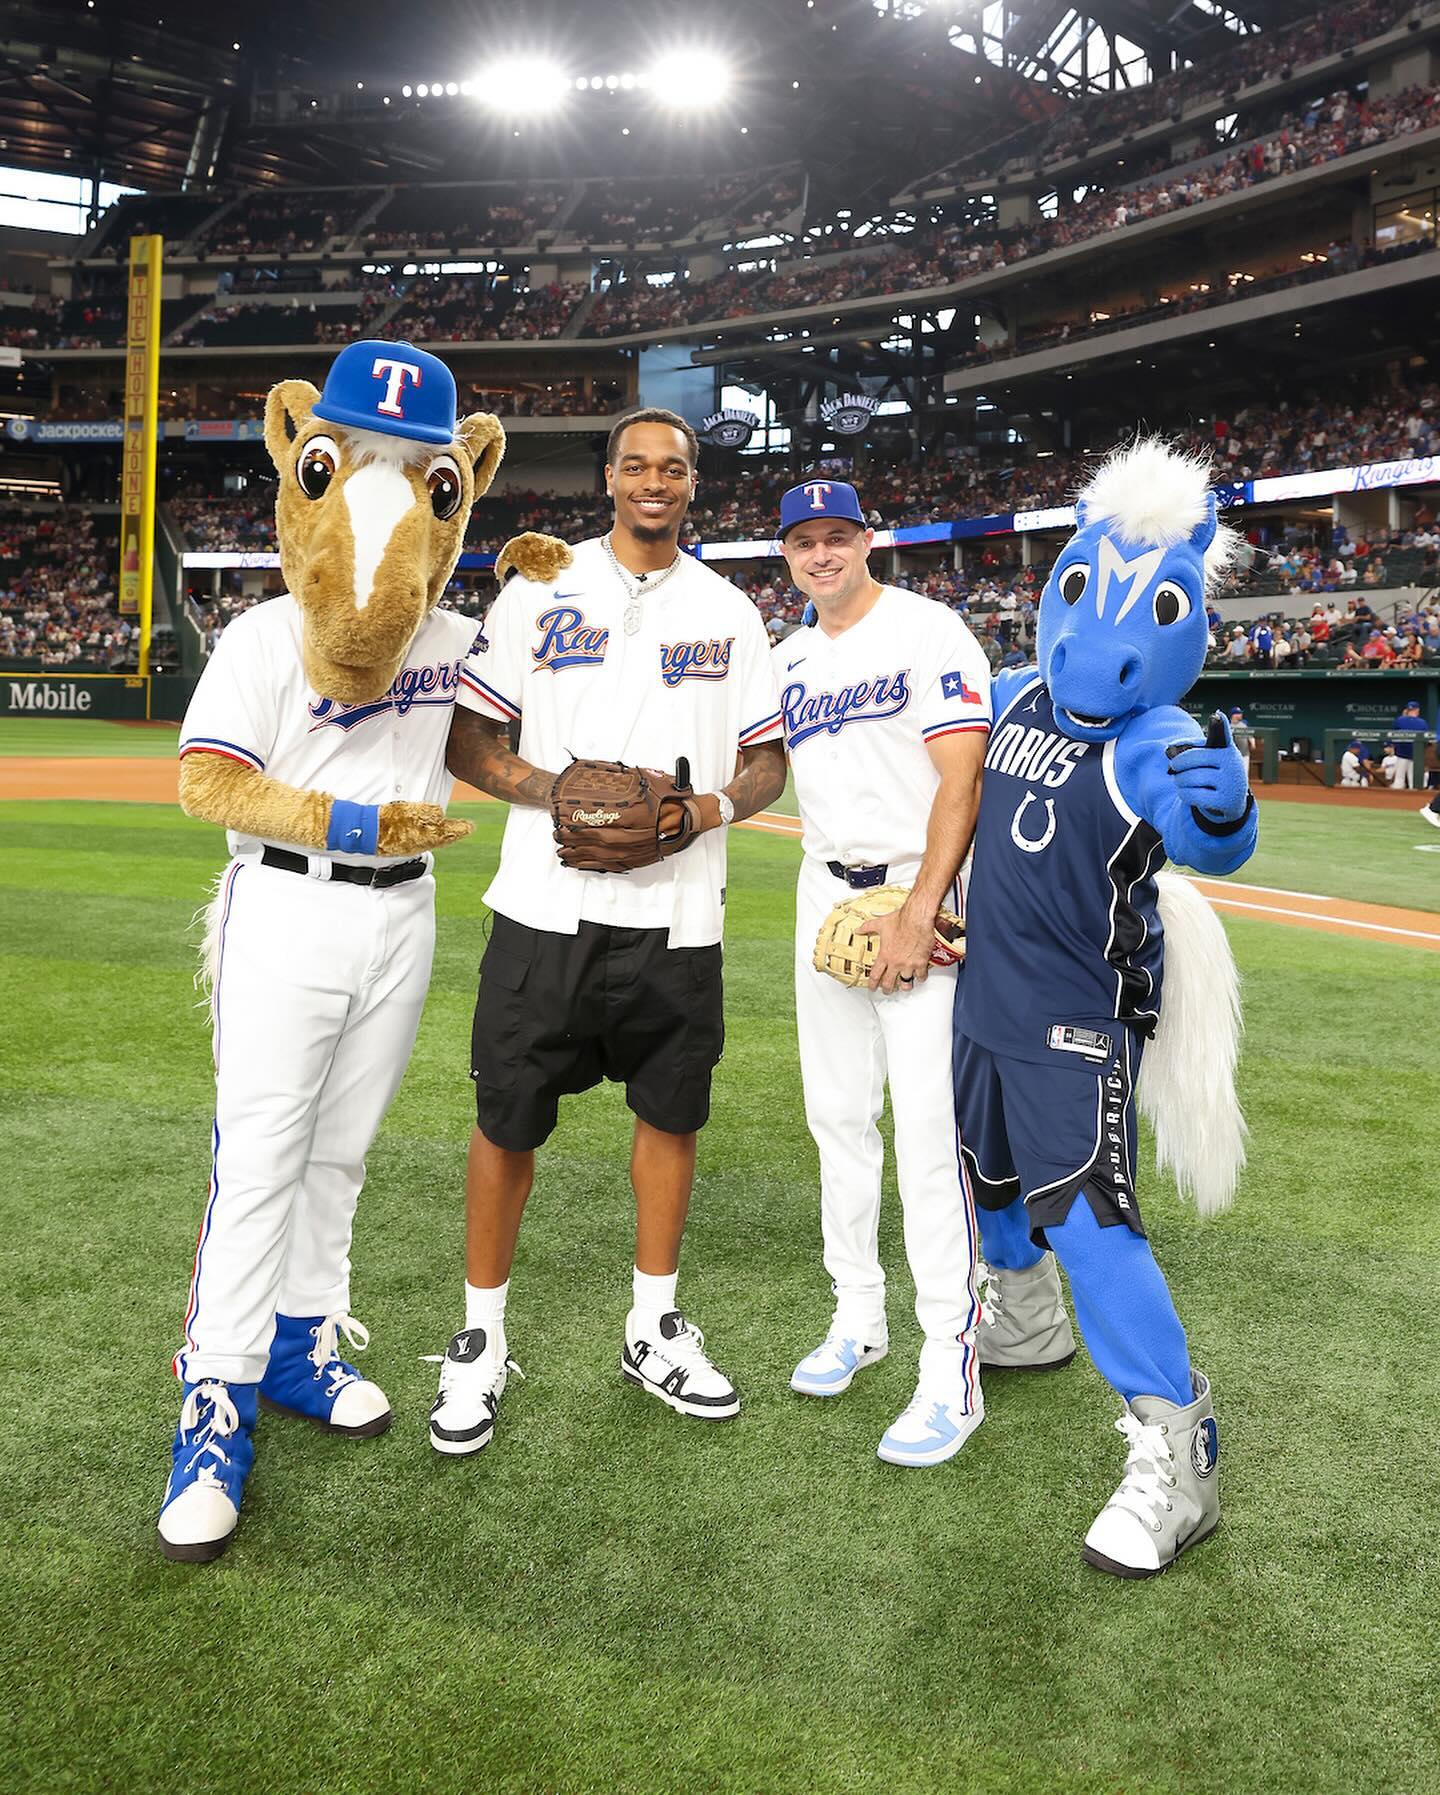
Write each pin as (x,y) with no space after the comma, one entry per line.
(524,84)
(690,79)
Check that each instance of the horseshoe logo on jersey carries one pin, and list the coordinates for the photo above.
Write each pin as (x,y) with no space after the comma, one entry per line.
(1035,844)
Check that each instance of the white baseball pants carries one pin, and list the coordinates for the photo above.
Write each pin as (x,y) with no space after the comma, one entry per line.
(850,1043)
(317,996)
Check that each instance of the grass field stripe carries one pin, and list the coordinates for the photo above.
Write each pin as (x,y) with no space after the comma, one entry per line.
(1327,922)
(1311,897)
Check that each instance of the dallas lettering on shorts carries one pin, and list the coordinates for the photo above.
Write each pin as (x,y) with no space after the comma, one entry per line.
(568,641)
(412,686)
(694,660)
(827,713)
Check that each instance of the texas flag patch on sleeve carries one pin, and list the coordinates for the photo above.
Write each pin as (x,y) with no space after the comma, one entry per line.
(952,685)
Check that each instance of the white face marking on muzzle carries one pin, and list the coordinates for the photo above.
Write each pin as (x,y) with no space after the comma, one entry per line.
(377,497)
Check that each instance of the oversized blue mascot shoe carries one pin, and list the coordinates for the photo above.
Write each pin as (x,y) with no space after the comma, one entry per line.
(211,1457)
(307,1377)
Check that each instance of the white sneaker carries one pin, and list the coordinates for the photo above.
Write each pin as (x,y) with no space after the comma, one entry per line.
(1169,1497)
(930,1429)
(831,1368)
(1430,816)
(667,1358)
(473,1374)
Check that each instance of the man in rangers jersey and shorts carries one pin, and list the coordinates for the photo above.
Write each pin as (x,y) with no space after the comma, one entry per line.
(635,653)
(886,706)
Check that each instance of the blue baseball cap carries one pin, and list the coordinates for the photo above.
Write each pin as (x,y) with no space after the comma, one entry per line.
(394,388)
(819,498)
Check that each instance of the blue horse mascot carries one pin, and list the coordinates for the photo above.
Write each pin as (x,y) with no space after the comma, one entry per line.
(1094,777)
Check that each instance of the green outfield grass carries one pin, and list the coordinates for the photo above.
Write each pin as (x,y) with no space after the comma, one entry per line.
(86,737)
(614,1599)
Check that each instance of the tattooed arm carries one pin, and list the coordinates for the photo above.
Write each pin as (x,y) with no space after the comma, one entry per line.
(479,752)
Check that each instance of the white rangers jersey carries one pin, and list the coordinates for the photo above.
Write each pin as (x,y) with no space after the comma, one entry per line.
(690,678)
(859,711)
(253,705)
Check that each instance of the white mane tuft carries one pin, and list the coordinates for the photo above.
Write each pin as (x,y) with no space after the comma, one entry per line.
(1154,493)
(374,445)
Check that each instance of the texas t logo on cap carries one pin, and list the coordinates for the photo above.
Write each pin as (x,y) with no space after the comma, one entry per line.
(819,498)
(394,388)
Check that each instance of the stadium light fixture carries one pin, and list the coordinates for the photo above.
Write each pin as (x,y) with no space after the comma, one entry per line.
(529,84)
(691,80)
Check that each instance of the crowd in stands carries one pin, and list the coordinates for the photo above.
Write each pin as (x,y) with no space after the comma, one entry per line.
(481,308)
(288,222)
(1335,636)
(58,575)
(1245,62)
(421,219)
(556,399)
(956,252)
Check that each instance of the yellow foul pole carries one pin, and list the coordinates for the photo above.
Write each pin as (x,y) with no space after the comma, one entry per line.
(137,468)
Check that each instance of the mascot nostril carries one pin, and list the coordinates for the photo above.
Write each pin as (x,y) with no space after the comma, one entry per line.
(317,737)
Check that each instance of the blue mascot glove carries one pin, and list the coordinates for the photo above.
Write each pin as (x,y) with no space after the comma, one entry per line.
(1212,777)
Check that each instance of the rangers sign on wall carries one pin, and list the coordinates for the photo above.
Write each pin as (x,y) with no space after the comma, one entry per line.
(850,414)
(730,429)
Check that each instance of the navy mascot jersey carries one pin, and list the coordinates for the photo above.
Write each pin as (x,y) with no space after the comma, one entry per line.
(1063,939)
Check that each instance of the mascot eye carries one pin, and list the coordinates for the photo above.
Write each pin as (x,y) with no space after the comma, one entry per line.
(1171,604)
(1073,582)
(446,488)
(316,467)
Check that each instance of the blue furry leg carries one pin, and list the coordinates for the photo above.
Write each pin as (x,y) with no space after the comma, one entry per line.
(1005,1237)
(1123,1306)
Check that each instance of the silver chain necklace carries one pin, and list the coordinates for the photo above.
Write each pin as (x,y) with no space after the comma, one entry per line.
(645,583)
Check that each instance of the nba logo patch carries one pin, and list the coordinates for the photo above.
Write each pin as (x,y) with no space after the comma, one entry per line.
(1205,1447)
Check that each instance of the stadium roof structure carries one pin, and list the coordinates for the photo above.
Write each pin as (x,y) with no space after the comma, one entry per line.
(162,95)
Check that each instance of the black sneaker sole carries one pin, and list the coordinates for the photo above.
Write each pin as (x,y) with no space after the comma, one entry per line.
(723,1411)
(1134,1573)
(367,1430)
(1049,1365)
(204,1551)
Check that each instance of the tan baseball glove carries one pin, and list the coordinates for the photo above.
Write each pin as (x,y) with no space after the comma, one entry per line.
(847,955)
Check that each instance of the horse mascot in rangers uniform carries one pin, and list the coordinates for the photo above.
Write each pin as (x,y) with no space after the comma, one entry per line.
(1084,960)
(316,737)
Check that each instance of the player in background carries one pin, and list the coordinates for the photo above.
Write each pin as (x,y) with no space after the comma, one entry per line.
(886,706)
(637,653)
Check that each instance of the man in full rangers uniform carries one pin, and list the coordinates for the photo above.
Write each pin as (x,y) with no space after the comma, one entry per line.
(636,654)
(886,707)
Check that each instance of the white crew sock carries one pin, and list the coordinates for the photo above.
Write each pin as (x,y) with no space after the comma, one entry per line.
(486,1309)
(653,1297)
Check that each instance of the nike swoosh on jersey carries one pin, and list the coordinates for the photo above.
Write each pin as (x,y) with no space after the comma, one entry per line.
(792,665)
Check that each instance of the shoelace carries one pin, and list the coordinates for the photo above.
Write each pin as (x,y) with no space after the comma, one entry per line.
(221,1422)
(991,1304)
(917,1405)
(1143,1489)
(453,1373)
(688,1347)
(327,1338)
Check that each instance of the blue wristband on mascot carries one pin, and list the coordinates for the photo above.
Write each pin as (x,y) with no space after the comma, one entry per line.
(354,828)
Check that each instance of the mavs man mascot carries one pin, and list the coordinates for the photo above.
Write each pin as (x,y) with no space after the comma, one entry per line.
(1093,778)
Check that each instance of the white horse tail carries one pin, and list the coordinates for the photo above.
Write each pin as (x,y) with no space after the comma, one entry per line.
(1186,1089)
(208,918)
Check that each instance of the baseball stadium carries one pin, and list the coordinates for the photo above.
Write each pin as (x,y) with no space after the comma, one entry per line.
(931,507)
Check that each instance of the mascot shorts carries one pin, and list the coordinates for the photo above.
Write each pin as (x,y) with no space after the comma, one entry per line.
(1050,1133)
(557,1014)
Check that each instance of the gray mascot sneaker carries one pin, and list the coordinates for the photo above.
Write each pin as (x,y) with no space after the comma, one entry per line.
(1024,1326)
(1169,1497)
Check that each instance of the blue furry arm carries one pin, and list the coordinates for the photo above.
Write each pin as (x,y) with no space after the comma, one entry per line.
(1199,801)
(1004,686)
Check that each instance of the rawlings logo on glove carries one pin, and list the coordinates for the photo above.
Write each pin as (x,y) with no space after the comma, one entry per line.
(610,818)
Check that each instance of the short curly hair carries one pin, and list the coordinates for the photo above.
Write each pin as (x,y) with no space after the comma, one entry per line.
(653,414)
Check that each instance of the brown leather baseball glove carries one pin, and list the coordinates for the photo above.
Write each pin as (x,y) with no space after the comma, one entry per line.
(610,818)
(848,955)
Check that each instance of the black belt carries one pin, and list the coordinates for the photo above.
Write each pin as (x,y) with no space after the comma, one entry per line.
(378,876)
(859,878)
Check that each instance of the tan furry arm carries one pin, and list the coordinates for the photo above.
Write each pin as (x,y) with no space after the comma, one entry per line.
(533,557)
(237,797)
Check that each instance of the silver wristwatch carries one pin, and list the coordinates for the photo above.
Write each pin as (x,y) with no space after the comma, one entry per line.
(727,810)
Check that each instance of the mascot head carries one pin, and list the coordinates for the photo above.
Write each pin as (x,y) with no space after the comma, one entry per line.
(376,481)
(1122,618)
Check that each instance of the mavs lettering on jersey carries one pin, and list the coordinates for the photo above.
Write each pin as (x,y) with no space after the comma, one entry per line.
(1054,950)
(827,713)
(411,686)
(568,641)
(694,660)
